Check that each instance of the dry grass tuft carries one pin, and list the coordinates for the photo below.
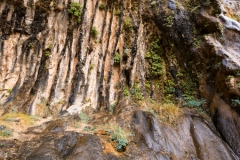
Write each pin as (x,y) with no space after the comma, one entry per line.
(15,121)
(43,110)
(167,113)
(10,117)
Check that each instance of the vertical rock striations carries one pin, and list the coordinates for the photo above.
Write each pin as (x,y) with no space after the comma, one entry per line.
(110,51)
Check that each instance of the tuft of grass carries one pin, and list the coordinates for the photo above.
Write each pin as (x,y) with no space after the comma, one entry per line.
(166,113)
(94,32)
(10,117)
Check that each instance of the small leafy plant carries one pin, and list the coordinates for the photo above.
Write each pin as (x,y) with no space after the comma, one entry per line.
(47,54)
(137,92)
(125,92)
(117,58)
(9,91)
(230,77)
(94,32)
(117,12)
(102,7)
(169,21)
(91,67)
(127,23)
(75,10)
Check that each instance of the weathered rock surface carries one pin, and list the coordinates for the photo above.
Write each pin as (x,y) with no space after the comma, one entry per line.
(50,64)
(191,138)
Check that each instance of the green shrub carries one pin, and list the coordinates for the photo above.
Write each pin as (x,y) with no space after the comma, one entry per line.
(190,101)
(94,32)
(154,59)
(193,103)
(75,10)
(120,136)
(120,143)
(117,58)
(102,7)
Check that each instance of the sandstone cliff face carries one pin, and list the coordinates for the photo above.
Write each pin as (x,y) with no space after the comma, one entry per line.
(132,52)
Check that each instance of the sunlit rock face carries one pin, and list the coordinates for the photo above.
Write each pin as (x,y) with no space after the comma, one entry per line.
(116,51)
(47,57)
